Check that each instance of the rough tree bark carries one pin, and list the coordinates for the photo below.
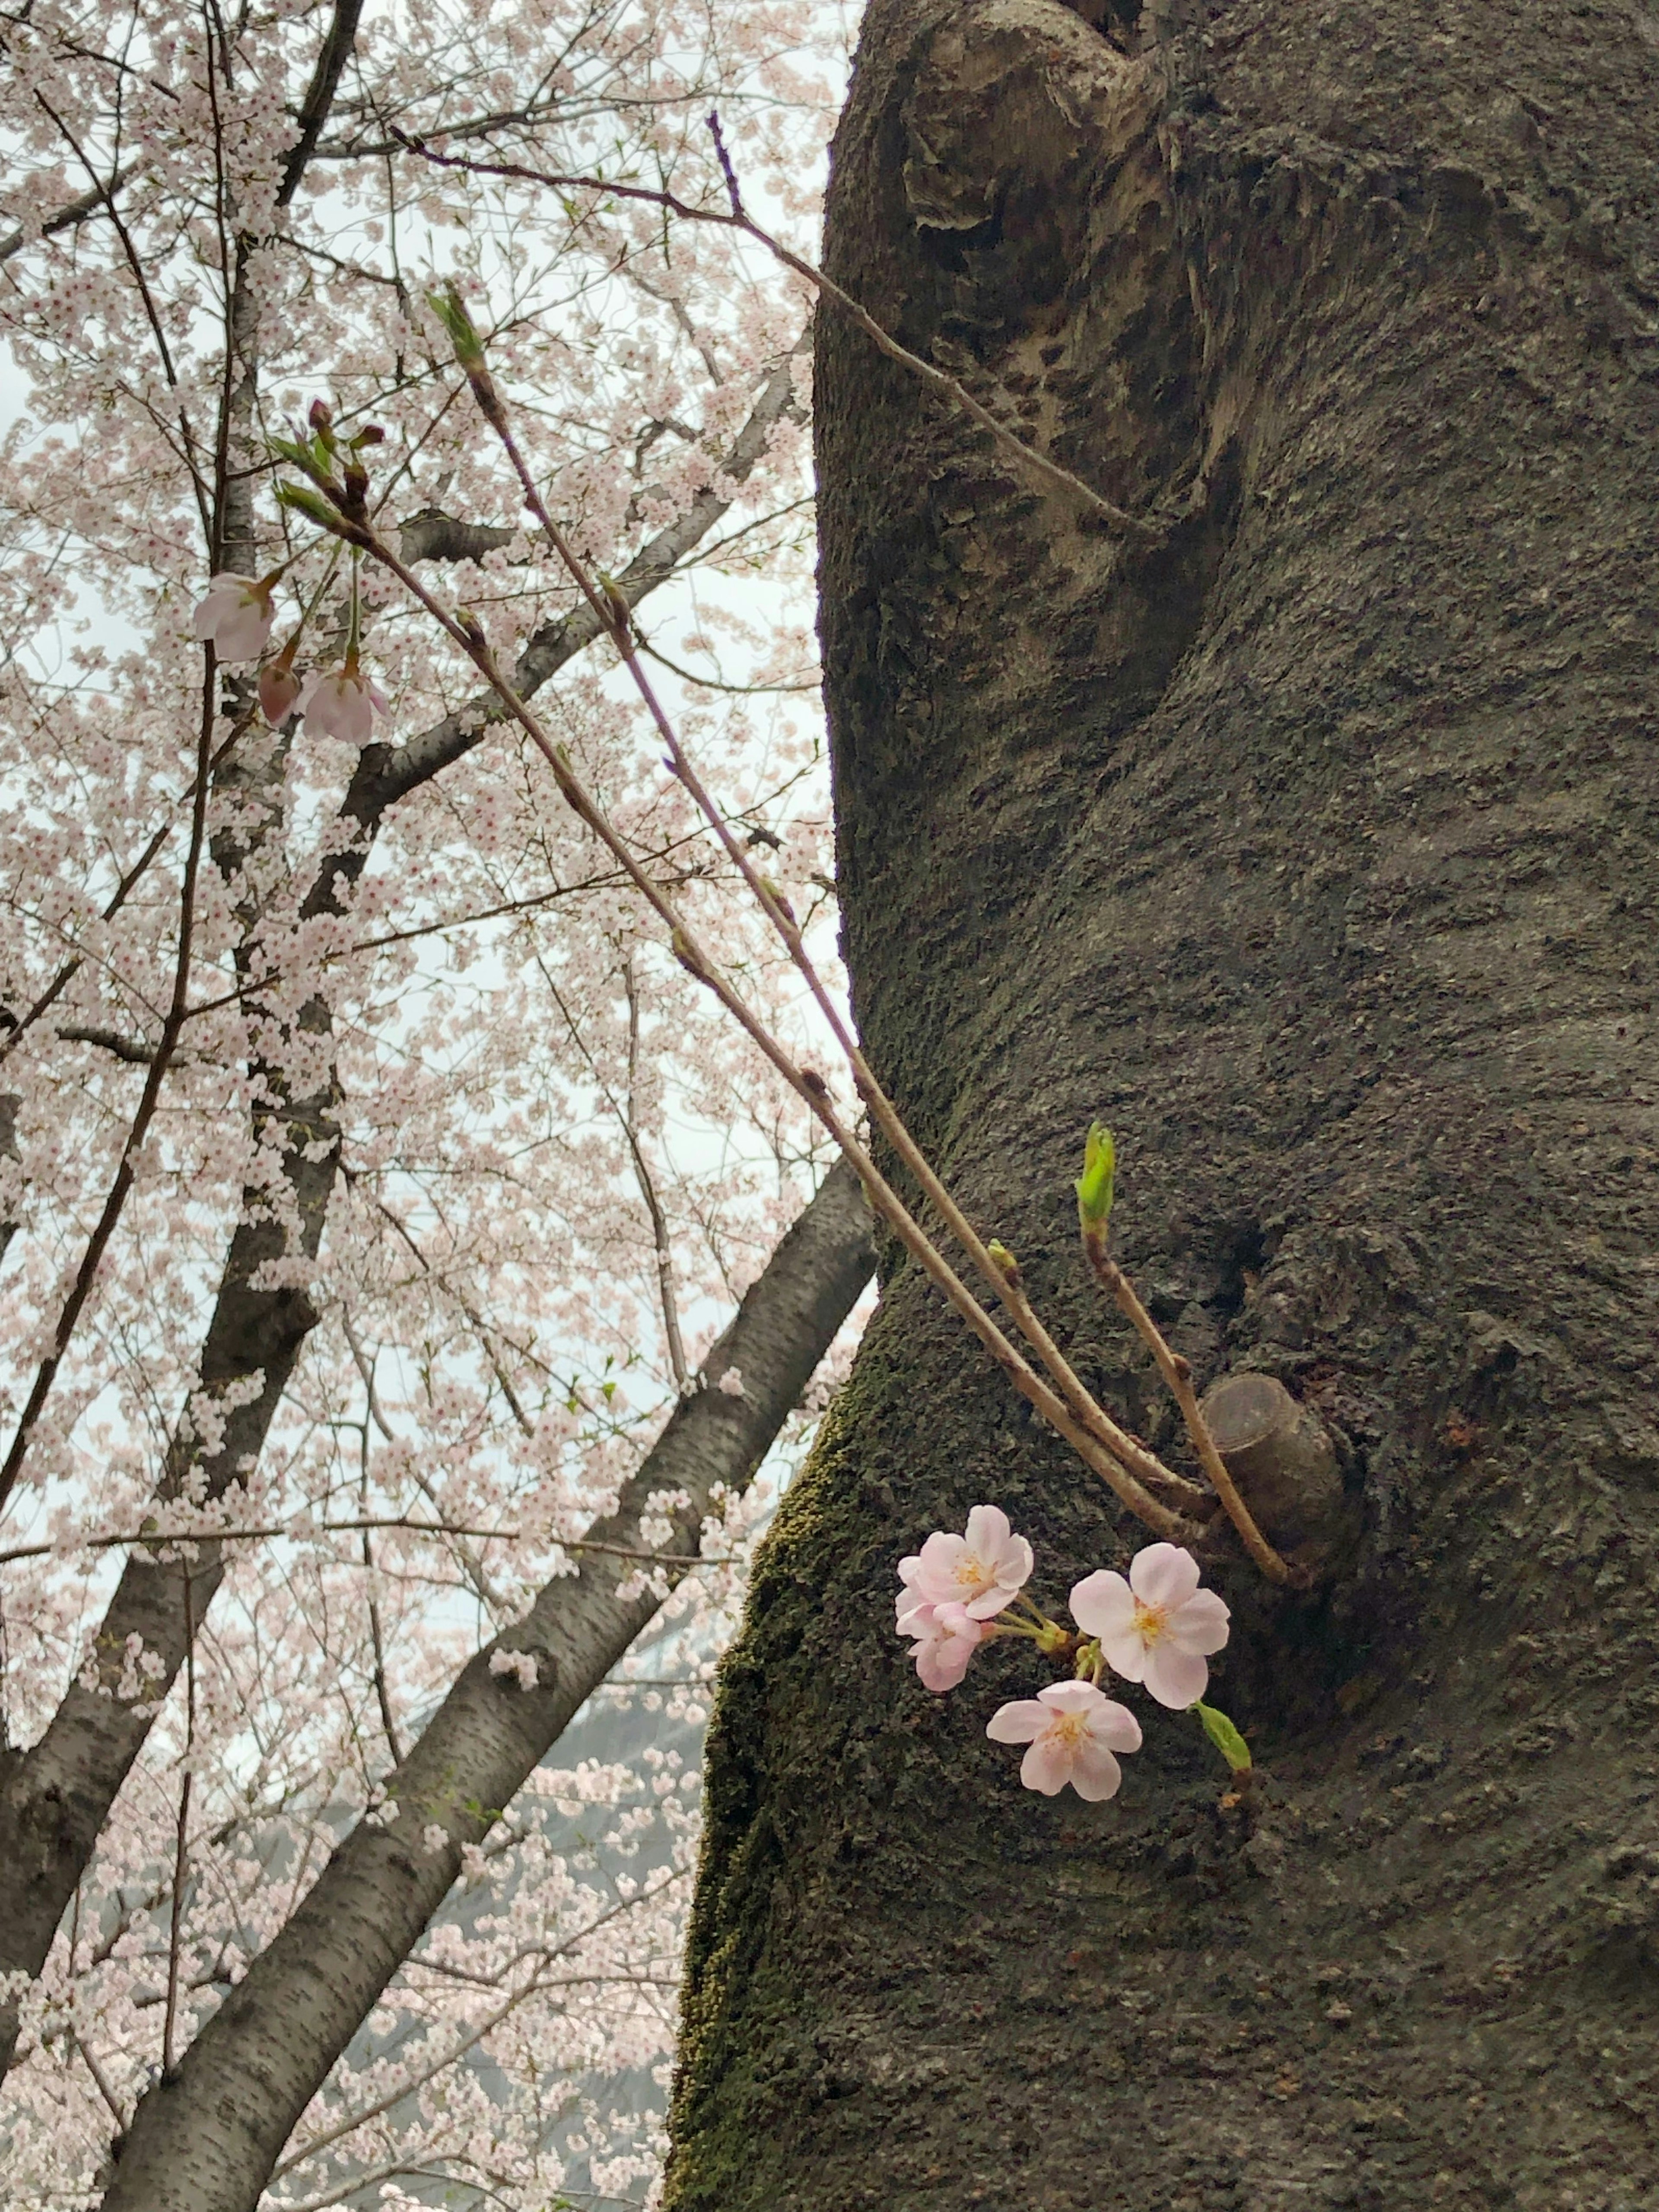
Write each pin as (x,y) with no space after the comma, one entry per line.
(1312,842)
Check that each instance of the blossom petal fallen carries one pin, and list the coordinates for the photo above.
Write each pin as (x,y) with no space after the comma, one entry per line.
(1157,1627)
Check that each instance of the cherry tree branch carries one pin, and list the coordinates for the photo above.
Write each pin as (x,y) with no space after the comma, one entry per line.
(208,2139)
(949,387)
(69,1778)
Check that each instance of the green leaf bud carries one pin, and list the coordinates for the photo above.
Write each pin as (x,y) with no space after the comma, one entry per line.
(1094,1185)
(1225,1736)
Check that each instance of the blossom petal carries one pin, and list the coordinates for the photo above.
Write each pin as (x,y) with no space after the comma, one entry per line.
(988,1531)
(1071,1697)
(942,1661)
(936,1576)
(1163,1575)
(1175,1678)
(241,634)
(1200,1625)
(1019,1722)
(1115,1727)
(990,1602)
(1127,1654)
(1047,1765)
(1102,1604)
(1095,1774)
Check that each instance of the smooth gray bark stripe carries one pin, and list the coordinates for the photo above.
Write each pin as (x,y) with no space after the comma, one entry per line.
(207,2140)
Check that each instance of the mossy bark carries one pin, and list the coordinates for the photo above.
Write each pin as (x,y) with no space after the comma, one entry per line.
(1313,843)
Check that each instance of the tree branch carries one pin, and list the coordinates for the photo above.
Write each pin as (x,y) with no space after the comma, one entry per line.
(72,212)
(55,1798)
(208,2140)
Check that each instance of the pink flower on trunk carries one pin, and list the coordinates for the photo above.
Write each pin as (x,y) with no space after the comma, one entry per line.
(1156,1627)
(1073,1729)
(237,614)
(947,1637)
(341,704)
(983,1570)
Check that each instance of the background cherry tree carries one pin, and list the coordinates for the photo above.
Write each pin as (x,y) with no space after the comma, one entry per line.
(372,1182)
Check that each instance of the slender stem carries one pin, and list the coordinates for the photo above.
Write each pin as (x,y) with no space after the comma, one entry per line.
(373,1418)
(1178,1373)
(809,1087)
(738,220)
(126,1171)
(1127,1451)
(158,1539)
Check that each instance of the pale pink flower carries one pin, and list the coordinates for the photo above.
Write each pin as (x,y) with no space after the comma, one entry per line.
(343,704)
(983,1570)
(1073,1729)
(521,1665)
(279,693)
(947,1637)
(237,614)
(732,1382)
(1156,1627)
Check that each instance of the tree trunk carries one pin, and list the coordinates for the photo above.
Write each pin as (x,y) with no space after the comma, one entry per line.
(1310,838)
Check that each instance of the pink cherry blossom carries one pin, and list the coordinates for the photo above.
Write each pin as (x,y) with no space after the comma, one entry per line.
(1156,1627)
(1073,1729)
(947,1637)
(237,614)
(342,704)
(983,1570)
(279,693)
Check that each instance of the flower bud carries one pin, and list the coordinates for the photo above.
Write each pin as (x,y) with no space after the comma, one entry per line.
(279,693)
(1094,1186)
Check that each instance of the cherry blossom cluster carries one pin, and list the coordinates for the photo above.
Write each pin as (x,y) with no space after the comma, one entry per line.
(516,1071)
(1155,1627)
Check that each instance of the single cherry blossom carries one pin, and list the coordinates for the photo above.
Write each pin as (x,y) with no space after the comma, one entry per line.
(1073,1729)
(279,692)
(984,1570)
(1157,1626)
(342,704)
(947,1637)
(237,614)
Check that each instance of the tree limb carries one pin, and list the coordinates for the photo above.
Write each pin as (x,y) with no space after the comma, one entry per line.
(208,2139)
(55,1797)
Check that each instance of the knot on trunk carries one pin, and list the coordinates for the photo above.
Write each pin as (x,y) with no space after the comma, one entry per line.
(1280,1454)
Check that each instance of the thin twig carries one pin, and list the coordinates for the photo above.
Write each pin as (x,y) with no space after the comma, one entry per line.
(1129,1460)
(739,220)
(126,1171)
(467,634)
(160,1539)
(1178,1373)
(181,1847)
